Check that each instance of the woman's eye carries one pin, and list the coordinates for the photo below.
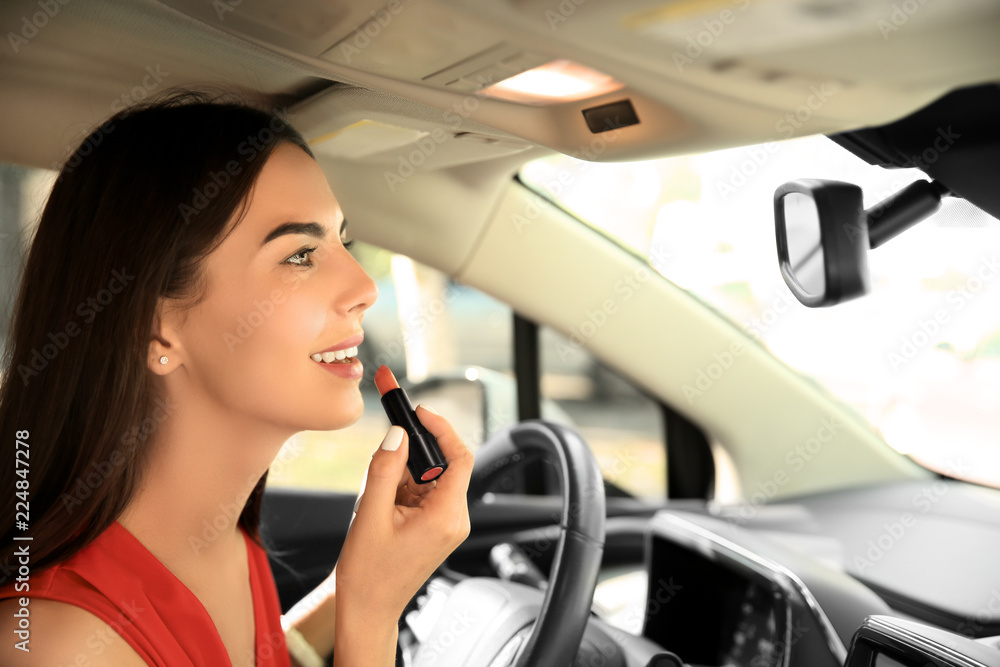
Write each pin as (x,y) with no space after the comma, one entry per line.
(301,258)
(347,242)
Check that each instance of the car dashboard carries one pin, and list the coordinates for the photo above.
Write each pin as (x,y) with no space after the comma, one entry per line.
(786,584)
(790,583)
(714,600)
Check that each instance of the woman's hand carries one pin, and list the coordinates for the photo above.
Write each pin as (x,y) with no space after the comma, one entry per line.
(402,532)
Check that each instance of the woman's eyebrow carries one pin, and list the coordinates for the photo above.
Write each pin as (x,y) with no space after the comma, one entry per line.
(308,228)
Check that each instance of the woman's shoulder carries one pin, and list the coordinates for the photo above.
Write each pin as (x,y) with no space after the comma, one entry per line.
(67,617)
(60,633)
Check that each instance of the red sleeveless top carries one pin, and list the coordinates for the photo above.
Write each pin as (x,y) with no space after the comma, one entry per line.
(118,580)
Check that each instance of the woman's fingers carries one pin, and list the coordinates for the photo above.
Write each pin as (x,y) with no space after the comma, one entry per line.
(387,464)
(449,497)
(410,493)
(456,453)
(445,497)
(403,530)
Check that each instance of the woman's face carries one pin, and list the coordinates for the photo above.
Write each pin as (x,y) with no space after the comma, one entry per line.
(280,290)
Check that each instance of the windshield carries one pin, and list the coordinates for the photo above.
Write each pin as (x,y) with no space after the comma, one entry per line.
(919,356)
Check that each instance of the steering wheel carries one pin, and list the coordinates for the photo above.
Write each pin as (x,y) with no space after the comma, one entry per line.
(486,621)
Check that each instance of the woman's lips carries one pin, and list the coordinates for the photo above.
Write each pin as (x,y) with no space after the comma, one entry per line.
(350,368)
(353,341)
(342,360)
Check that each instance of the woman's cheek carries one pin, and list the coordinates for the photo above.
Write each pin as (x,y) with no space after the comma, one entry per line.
(300,322)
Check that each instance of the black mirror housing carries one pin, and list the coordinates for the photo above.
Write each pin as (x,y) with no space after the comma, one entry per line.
(822,252)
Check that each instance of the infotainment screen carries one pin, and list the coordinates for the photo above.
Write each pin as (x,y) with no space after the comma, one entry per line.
(718,612)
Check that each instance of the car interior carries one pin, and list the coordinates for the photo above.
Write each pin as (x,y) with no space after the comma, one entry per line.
(830,547)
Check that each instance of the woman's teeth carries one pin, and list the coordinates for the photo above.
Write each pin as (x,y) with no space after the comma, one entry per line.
(342,356)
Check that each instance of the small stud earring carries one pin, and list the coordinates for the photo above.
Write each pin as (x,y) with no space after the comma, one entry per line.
(163,360)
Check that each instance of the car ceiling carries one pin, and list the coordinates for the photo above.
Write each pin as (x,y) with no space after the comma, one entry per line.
(700,74)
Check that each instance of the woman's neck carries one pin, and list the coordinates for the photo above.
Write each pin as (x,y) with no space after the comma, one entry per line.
(203,462)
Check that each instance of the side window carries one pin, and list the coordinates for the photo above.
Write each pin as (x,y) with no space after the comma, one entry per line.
(23,192)
(623,427)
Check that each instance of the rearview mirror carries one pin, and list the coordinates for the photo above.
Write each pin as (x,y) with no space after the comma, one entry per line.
(822,236)
(884,641)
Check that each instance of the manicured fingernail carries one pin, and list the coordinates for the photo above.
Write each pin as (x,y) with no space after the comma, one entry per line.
(357,504)
(428,409)
(393,439)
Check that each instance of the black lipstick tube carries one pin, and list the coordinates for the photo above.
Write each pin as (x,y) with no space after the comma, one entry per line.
(426,462)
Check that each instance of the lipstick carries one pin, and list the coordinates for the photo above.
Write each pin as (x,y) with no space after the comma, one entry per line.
(426,462)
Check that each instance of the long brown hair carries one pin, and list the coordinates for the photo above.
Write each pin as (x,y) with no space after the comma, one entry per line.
(134,211)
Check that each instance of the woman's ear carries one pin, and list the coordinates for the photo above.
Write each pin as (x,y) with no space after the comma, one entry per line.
(165,351)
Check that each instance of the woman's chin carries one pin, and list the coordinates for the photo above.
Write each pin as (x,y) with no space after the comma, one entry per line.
(338,417)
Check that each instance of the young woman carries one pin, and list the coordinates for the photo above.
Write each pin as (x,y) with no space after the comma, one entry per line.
(134,409)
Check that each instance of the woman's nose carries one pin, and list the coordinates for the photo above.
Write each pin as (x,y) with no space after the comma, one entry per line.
(357,290)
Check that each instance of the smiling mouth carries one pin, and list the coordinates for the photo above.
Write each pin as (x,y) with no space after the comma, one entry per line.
(344,356)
